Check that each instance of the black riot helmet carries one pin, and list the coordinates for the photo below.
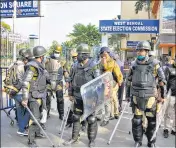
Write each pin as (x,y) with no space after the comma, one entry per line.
(143,45)
(83,48)
(28,54)
(39,51)
(21,53)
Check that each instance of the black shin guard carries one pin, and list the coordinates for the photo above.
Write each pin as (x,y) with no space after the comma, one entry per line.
(137,128)
(151,129)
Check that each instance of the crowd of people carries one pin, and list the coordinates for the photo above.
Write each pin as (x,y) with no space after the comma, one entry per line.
(34,79)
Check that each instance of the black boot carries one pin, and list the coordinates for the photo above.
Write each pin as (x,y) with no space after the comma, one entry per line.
(71,141)
(111,118)
(40,135)
(138,144)
(173,133)
(32,144)
(68,125)
(116,117)
(166,133)
(104,123)
(151,145)
(61,117)
(91,143)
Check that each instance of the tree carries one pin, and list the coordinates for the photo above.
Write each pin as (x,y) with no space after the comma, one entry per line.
(5,26)
(146,5)
(23,45)
(68,44)
(85,34)
(114,41)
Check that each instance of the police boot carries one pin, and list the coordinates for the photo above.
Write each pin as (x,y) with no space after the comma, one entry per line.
(75,130)
(68,125)
(151,145)
(166,133)
(138,144)
(92,143)
(61,117)
(39,135)
(104,123)
(173,132)
(32,144)
(71,141)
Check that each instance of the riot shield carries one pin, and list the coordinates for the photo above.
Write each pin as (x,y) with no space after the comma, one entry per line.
(95,93)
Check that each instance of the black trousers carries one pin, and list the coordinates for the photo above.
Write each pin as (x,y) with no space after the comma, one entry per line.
(35,108)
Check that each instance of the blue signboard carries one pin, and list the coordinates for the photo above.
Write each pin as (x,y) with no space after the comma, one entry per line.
(25,8)
(128,26)
(132,44)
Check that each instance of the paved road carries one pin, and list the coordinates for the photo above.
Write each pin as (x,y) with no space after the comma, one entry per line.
(9,137)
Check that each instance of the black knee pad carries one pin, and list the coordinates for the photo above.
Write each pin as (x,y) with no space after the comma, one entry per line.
(76,117)
(91,119)
(59,94)
(137,120)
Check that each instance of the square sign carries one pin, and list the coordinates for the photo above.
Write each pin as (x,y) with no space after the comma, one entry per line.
(25,8)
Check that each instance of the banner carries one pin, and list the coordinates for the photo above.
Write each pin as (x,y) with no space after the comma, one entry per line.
(132,44)
(168,17)
(24,8)
(129,26)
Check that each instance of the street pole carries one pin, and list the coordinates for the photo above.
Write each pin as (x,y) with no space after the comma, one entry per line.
(39,28)
(14,21)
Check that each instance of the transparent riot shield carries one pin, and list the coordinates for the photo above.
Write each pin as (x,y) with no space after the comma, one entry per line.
(95,93)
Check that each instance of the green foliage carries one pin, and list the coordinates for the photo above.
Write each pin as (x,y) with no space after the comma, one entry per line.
(23,45)
(52,47)
(68,44)
(85,34)
(5,26)
(114,41)
(142,4)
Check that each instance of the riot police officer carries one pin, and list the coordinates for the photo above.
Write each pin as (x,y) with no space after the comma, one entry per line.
(34,90)
(70,117)
(141,78)
(75,57)
(56,71)
(85,71)
(170,73)
(75,61)
(13,83)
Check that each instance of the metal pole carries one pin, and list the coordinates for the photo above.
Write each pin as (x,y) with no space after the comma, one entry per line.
(14,21)
(39,28)
(115,128)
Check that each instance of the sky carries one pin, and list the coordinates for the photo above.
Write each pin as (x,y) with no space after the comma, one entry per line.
(59,18)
